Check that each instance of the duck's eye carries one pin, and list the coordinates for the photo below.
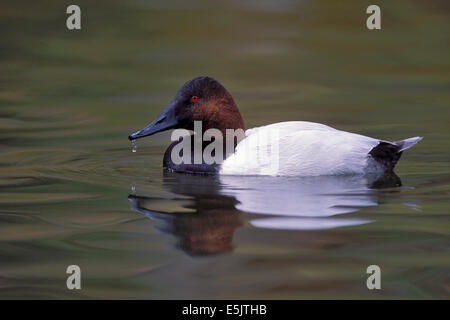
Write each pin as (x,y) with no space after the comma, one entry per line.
(194,98)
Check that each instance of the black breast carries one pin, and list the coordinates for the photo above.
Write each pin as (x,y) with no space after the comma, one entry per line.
(192,168)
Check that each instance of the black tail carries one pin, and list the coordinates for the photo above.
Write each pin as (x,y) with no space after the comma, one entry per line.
(388,153)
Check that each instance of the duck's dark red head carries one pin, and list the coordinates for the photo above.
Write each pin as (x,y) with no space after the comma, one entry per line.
(200,99)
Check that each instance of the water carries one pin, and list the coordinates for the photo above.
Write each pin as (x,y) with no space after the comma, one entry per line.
(133,146)
(73,193)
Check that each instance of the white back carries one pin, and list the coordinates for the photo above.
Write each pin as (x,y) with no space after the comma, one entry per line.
(299,148)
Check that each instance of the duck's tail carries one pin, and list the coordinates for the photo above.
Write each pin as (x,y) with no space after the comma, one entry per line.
(407,143)
(388,153)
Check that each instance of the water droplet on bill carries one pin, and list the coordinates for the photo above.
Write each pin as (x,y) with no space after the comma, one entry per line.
(133,145)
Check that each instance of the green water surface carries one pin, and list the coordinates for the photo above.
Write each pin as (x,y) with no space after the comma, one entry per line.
(73,193)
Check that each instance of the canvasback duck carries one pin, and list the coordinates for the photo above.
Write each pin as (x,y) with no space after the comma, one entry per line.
(293,148)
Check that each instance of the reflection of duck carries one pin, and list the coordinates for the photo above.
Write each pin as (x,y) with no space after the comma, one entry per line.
(294,148)
(291,203)
(305,203)
(209,228)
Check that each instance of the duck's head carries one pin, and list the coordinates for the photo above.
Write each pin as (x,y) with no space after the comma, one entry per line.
(200,99)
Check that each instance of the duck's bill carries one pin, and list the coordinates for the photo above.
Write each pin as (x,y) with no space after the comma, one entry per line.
(165,121)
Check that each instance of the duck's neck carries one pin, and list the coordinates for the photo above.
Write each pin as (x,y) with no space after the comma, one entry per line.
(222,114)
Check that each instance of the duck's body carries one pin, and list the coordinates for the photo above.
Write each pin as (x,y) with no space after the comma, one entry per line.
(294,148)
(303,148)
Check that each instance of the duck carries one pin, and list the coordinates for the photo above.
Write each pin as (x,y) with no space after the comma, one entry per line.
(290,148)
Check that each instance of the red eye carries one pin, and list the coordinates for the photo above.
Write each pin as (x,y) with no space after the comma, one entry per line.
(194,98)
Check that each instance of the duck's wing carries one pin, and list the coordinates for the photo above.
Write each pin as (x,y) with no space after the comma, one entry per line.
(300,148)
